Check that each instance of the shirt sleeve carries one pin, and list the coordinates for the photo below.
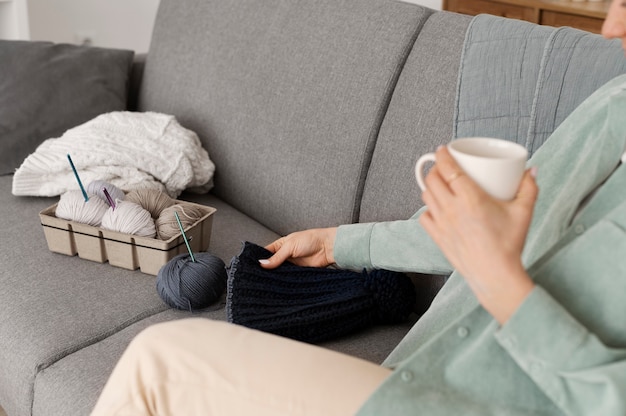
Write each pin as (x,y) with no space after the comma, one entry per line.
(402,246)
(571,365)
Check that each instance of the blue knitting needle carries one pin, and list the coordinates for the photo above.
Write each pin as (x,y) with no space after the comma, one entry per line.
(78,178)
(182,231)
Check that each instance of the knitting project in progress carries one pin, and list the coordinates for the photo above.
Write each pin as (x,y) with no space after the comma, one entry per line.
(127,149)
(312,304)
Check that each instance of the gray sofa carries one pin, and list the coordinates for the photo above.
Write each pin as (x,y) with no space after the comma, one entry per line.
(314,113)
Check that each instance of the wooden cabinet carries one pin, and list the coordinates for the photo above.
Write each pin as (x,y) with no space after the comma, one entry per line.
(586,15)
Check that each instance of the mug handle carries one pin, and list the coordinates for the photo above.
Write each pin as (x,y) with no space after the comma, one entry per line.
(419,169)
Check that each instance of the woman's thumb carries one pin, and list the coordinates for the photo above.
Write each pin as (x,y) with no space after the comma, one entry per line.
(528,189)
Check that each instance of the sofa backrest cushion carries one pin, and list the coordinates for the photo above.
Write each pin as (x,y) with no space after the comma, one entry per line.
(420,117)
(287,96)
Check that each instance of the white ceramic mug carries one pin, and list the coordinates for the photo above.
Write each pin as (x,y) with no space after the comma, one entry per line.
(496,165)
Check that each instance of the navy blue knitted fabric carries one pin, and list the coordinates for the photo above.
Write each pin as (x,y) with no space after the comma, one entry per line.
(312,304)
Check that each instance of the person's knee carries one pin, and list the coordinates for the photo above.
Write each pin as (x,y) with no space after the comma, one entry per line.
(172,333)
(159,334)
(153,333)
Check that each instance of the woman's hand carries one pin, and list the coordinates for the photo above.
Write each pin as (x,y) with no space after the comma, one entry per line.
(313,248)
(481,236)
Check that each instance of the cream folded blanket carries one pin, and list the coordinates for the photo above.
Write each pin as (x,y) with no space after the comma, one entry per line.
(129,150)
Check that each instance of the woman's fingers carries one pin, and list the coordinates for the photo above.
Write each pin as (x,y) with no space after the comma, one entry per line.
(282,250)
(312,248)
(445,181)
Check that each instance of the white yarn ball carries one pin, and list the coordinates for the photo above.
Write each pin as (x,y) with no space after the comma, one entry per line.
(72,207)
(95,188)
(129,218)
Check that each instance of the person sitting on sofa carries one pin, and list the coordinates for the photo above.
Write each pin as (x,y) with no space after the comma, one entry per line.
(531,321)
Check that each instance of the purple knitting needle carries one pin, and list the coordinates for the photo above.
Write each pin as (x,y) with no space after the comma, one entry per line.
(111,202)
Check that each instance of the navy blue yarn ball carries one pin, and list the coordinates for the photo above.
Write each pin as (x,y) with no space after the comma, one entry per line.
(187,285)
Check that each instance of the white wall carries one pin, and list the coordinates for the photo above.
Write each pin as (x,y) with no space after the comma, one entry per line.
(433,4)
(13,20)
(125,24)
(7,20)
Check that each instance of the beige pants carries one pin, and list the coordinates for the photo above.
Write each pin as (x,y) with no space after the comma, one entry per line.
(201,367)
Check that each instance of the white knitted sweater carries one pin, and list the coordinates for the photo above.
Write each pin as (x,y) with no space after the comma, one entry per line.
(128,150)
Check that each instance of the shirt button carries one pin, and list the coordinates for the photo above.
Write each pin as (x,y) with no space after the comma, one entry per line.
(406,376)
(579,229)
(535,367)
(508,343)
(462,332)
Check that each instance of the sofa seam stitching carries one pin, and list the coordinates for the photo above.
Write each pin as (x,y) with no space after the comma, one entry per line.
(374,133)
(50,359)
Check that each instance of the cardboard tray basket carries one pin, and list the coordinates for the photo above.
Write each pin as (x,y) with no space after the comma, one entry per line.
(123,250)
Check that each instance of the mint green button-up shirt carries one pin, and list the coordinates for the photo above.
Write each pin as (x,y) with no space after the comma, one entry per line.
(564,350)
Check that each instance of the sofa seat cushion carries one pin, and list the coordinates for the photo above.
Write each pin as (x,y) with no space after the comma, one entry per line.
(71,386)
(70,319)
(56,304)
